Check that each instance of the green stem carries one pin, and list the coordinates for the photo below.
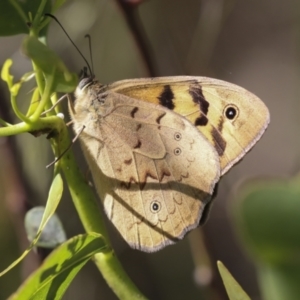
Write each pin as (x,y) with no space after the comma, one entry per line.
(13,100)
(44,23)
(41,125)
(38,14)
(116,277)
(45,97)
(56,108)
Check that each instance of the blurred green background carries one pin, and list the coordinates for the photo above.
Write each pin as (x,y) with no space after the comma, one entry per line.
(254,44)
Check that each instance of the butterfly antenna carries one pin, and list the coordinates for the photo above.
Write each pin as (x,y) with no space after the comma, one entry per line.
(54,105)
(91,54)
(54,18)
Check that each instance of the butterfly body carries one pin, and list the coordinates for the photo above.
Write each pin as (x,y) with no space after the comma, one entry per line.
(157,147)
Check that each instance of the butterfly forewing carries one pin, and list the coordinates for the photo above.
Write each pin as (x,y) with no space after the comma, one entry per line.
(207,103)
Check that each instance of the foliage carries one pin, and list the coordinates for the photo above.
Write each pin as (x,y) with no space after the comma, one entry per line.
(56,273)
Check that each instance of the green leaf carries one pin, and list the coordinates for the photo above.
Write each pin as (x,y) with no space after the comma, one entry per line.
(5,74)
(50,64)
(52,235)
(8,78)
(279,282)
(267,215)
(233,289)
(267,218)
(14,88)
(15,15)
(54,197)
(52,279)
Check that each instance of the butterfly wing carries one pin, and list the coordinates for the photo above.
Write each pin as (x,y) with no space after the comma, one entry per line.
(231,118)
(153,170)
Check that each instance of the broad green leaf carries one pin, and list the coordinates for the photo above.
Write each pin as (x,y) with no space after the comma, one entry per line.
(15,15)
(267,218)
(54,197)
(52,235)
(50,64)
(279,282)
(54,276)
(233,289)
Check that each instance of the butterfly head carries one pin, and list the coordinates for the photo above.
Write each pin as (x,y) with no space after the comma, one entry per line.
(92,101)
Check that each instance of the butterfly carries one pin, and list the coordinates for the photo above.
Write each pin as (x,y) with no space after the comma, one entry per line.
(157,147)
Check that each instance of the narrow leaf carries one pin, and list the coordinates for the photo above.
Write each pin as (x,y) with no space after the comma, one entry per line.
(54,276)
(233,289)
(5,74)
(54,197)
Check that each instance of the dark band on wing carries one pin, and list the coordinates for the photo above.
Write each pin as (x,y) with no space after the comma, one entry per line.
(166,98)
(219,142)
(195,91)
(220,124)
(201,121)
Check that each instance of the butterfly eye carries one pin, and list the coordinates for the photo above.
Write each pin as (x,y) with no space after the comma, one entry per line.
(177,151)
(155,206)
(177,136)
(231,112)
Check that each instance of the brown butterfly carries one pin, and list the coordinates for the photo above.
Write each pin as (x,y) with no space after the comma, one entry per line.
(157,147)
